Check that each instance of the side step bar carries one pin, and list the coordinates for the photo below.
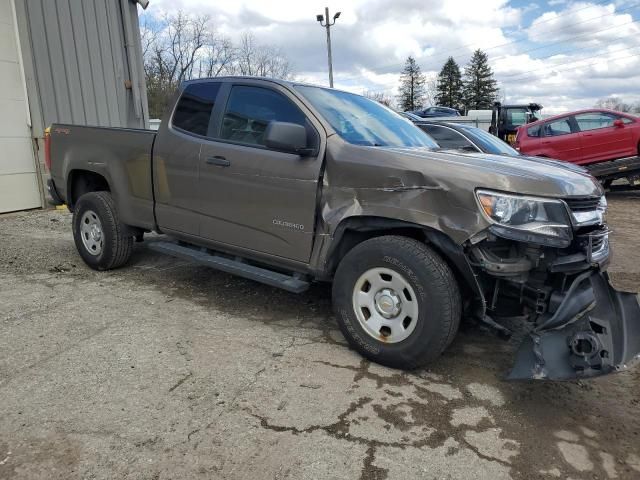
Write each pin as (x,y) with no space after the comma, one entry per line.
(205,257)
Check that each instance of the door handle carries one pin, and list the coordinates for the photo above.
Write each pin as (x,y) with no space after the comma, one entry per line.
(218,161)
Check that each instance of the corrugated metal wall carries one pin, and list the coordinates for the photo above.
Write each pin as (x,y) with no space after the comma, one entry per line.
(82,63)
(86,58)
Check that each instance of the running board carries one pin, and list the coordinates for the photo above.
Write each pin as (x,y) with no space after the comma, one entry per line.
(291,283)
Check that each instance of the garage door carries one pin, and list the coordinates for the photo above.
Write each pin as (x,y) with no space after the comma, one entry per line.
(18,178)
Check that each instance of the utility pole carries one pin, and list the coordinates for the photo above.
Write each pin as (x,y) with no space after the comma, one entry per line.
(324,22)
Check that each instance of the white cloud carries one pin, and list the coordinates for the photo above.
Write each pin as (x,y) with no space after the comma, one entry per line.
(589,56)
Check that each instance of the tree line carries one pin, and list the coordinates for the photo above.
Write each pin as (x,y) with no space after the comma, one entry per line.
(179,47)
(618,104)
(477,89)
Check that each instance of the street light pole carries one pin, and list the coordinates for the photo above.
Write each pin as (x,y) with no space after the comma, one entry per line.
(324,21)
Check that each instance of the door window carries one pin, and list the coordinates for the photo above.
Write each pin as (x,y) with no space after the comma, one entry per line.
(194,108)
(448,138)
(594,120)
(559,127)
(250,109)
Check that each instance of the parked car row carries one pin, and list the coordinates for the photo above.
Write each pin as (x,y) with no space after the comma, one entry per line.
(605,142)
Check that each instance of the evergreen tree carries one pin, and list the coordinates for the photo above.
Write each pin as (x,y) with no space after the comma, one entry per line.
(480,88)
(412,86)
(449,86)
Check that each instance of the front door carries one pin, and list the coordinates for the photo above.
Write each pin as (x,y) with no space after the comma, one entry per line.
(251,196)
(601,139)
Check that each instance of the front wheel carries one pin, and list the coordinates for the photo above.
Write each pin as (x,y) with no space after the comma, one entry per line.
(397,301)
(98,234)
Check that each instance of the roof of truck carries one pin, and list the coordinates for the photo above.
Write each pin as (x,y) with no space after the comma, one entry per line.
(286,83)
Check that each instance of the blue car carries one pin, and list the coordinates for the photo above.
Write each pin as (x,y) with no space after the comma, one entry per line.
(431,112)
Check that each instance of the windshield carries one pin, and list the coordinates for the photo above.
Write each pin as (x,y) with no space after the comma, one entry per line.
(489,143)
(361,121)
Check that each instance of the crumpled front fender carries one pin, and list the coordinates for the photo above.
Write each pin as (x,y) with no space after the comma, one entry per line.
(593,332)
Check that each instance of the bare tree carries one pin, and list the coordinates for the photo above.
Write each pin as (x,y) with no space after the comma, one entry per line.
(431,88)
(218,55)
(182,46)
(259,60)
(380,97)
(171,48)
(614,103)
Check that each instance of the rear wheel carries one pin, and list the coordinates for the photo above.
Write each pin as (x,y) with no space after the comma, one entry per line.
(397,301)
(98,234)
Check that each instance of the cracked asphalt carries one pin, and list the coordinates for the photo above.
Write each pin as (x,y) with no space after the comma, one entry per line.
(165,370)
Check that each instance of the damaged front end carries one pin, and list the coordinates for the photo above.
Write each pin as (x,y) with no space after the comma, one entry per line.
(542,262)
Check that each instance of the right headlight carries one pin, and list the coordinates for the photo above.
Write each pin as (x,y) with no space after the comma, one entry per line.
(527,219)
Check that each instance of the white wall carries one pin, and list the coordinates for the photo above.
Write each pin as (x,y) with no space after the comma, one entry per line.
(18,178)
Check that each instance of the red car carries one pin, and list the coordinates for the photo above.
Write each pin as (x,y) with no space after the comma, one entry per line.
(582,137)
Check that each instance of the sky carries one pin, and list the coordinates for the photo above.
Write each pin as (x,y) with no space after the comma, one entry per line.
(563,54)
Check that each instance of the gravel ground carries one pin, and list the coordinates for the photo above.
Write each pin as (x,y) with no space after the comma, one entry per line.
(167,370)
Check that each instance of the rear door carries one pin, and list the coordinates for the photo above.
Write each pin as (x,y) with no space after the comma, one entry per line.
(176,156)
(600,139)
(560,139)
(251,196)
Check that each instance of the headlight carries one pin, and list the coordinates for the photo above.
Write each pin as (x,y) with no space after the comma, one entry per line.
(527,219)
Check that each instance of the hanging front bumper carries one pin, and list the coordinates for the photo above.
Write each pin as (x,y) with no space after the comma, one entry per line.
(594,331)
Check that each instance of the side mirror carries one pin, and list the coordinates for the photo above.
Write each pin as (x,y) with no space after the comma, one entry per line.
(618,123)
(287,137)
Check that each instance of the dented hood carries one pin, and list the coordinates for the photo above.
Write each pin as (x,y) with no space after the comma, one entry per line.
(434,188)
(521,174)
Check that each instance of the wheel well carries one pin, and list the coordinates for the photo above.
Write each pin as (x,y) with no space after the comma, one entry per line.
(351,232)
(84,181)
(354,234)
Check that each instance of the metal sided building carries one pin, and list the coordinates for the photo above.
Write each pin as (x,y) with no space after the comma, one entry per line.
(69,61)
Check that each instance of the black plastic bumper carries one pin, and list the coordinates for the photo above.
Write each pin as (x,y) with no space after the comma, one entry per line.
(53,193)
(593,332)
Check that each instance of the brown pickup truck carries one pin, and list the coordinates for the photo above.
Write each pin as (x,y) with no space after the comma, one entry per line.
(286,184)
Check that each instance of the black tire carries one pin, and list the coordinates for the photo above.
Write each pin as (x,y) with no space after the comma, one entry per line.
(116,246)
(438,295)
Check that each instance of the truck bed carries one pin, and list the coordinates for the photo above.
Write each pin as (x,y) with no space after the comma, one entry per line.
(120,155)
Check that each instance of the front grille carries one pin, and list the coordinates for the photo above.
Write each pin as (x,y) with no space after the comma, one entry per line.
(597,242)
(594,243)
(583,204)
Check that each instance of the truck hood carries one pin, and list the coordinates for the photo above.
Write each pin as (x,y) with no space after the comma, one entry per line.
(434,188)
(521,174)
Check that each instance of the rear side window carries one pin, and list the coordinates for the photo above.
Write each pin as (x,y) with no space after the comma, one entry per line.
(447,137)
(250,109)
(194,108)
(559,127)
